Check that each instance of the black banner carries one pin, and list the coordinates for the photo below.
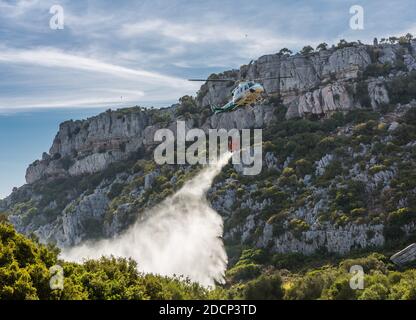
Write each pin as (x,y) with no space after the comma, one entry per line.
(203,309)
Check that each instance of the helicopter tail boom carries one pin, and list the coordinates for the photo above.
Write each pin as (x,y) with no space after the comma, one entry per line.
(228,107)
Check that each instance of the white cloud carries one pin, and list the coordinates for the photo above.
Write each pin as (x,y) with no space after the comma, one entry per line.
(53,58)
(243,40)
(19,8)
(186,32)
(72,80)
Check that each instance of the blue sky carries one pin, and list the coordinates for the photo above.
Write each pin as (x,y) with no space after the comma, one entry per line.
(123,53)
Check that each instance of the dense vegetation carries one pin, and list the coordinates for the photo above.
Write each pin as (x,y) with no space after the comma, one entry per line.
(25,273)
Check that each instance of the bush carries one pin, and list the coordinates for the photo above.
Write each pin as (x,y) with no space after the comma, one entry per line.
(264,288)
(288,261)
(298,226)
(362,95)
(404,134)
(340,290)
(410,117)
(187,106)
(244,271)
(115,191)
(303,167)
(376,291)
(401,217)
(403,89)
(160,117)
(377,70)
(311,285)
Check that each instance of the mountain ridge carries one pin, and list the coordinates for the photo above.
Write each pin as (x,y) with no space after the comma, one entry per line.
(329,159)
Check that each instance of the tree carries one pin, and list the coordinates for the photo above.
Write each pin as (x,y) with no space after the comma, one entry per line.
(187,106)
(393,40)
(285,52)
(307,50)
(343,44)
(322,46)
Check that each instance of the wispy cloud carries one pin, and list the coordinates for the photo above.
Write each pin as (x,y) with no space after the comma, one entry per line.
(52,58)
(153,46)
(17,8)
(248,40)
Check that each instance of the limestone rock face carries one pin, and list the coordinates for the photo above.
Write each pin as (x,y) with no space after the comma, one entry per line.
(217,93)
(89,146)
(106,131)
(96,162)
(378,93)
(306,72)
(333,97)
(242,118)
(42,169)
(78,219)
(339,240)
(410,62)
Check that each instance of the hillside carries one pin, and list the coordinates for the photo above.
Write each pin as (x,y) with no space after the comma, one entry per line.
(339,171)
(27,266)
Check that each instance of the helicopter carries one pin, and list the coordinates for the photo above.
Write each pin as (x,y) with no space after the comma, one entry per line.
(247,92)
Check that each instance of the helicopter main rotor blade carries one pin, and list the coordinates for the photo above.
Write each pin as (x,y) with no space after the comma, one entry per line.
(213,80)
(239,80)
(274,78)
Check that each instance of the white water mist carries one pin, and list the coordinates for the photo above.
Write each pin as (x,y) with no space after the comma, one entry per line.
(181,236)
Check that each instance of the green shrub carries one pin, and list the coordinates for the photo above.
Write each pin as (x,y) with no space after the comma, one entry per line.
(187,106)
(288,261)
(264,288)
(340,289)
(401,216)
(243,271)
(311,285)
(377,70)
(298,226)
(402,89)
(115,191)
(303,167)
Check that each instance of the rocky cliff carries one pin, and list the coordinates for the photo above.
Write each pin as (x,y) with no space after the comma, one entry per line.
(338,158)
(321,83)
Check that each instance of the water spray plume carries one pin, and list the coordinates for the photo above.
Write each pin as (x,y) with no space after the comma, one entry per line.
(181,236)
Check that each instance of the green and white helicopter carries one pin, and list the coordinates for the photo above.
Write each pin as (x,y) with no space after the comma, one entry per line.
(247,92)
